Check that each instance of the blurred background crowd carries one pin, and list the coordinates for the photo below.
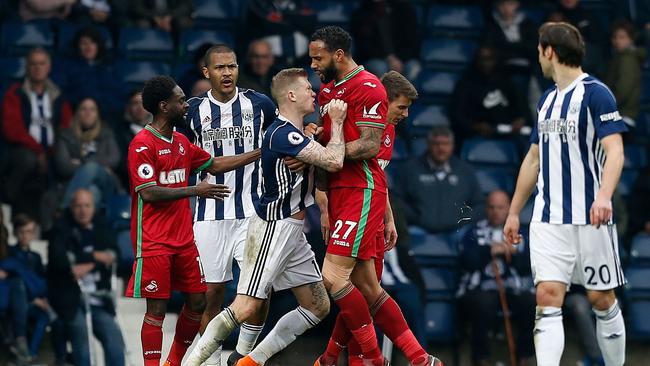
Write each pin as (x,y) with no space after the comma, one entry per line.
(70,71)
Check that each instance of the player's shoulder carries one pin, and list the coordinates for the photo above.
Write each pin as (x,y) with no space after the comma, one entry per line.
(254,95)
(367,83)
(198,100)
(596,88)
(142,137)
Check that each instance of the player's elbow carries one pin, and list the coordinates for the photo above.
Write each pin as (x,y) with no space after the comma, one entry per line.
(147,195)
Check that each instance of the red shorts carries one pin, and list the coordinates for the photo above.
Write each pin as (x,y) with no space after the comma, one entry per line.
(355,217)
(155,277)
(380,244)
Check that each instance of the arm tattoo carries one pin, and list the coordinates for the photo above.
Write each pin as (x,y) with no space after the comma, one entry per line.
(329,157)
(367,146)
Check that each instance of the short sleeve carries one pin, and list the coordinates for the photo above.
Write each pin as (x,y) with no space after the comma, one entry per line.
(268,107)
(604,112)
(371,108)
(288,141)
(200,158)
(142,165)
(534,135)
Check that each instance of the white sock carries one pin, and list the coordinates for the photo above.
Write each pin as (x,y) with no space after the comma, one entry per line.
(218,329)
(248,334)
(285,331)
(549,335)
(610,332)
(214,359)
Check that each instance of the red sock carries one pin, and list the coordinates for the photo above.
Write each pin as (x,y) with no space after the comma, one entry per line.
(151,337)
(354,353)
(186,328)
(339,338)
(388,316)
(356,317)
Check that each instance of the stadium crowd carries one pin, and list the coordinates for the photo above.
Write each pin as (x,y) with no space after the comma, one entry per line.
(70,73)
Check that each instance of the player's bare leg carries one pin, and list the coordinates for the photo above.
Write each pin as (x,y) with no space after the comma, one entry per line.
(353,309)
(549,332)
(313,306)
(151,333)
(220,327)
(187,326)
(610,327)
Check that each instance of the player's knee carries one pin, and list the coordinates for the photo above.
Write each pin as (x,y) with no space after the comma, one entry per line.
(549,295)
(601,300)
(214,296)
(335,276)
(246,307)
(196,303)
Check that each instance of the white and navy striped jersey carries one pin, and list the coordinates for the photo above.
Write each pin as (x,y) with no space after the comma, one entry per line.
(284,192)
(570,124)
(226,129)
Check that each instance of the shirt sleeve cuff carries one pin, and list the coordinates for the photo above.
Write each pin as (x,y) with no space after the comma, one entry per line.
(145,185)
(204,165)
(370,124)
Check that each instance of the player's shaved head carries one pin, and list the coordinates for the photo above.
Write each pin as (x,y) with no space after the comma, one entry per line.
(283,81)
(218,48)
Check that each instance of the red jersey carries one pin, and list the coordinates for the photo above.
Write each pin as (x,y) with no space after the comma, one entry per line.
(161,227)
(386,149)
(367,107)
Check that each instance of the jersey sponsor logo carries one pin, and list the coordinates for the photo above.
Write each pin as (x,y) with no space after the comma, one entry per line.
(151,287)
(324,109)
(372,112)
(218,135)
(561,127)
(172,176)
(295,138)
(141,149)
(367,83)
(613,116)
(181,149)
(145,171)
(164,151)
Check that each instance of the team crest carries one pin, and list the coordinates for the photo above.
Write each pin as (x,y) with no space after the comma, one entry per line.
(247,115)
(181,149)
(574,107)
(387,141)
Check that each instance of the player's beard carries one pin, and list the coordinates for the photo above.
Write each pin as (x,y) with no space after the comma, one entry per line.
(178,120)
(329,73)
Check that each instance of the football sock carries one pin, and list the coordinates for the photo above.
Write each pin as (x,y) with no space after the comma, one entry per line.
(285,331)
(388,316)
(187,326)
(215,333)
(549,335)
(151,337)
(356,316)
(610,332)
(340,337)
(248,334)
(215,358)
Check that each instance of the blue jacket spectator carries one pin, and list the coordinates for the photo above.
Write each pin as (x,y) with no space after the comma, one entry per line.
(81,257)
(439,191)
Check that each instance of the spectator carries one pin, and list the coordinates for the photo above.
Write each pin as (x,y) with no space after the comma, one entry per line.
(134,119)
(624,71)
(285,24)
(88,74)
(481,250)
(44,9)
(383,39)
(86,154)
(457,199)
(81,256)
(109,13)
(259,69)
(639,215)
(167,15)
(29,297)
(515,36)
(201,86)
(31,113)
(187,80)
(577,15)
(485,102)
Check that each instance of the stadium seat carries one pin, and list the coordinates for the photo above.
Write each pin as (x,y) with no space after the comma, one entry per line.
(626,183)
(440,317)
(214,14)
(635,156)
(494,178)
(453,54)
(645,91)
(424,117)
(637,282)
(455,20)
(638,319)
(146,44)
(400,152)
(191,40)
(435,250)
(640,250)
(125,248)
(418,235)
(436,85)
(11,69)
(118,211)
(134,73)
(490,152)
(419,146)
(332,12)
(439,283)
(67,31)
(18,38)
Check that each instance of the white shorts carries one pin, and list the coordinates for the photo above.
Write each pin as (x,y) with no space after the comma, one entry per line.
(579,254)
(276,255)
(219,242)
